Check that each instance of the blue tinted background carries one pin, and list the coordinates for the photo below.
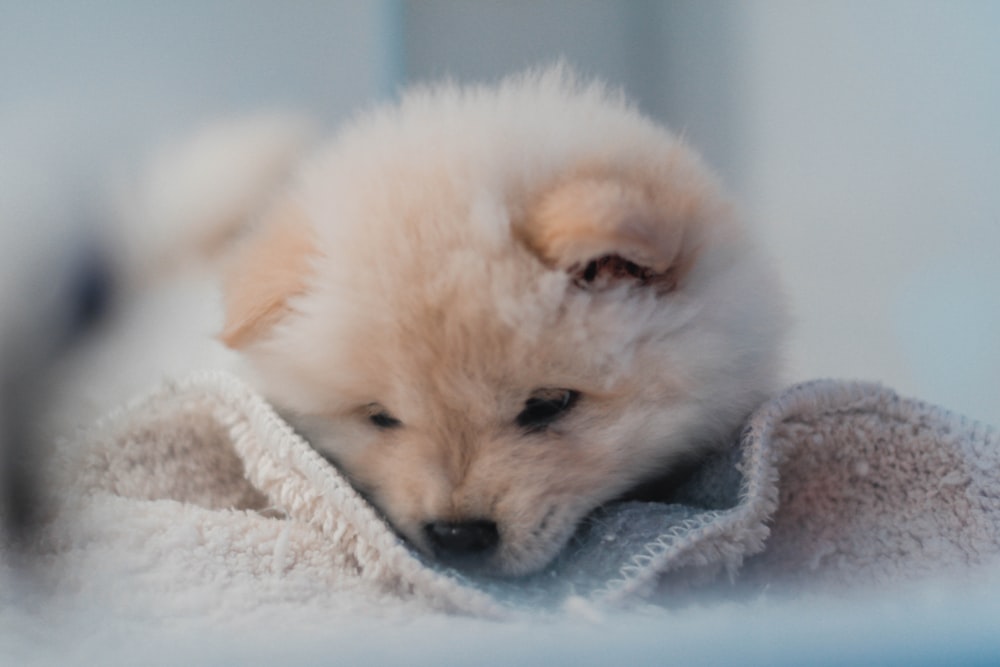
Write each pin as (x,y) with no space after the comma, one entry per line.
(859,137)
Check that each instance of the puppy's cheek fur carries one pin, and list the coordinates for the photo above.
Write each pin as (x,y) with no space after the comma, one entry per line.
(403,480)
(539,498)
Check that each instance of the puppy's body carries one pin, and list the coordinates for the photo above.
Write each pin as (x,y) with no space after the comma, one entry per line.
(163,237)
(496,309)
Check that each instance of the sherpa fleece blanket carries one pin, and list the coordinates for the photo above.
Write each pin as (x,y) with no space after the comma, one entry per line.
(198,500)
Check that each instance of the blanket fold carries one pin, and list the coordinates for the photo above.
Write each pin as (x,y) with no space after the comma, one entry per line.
(200,486)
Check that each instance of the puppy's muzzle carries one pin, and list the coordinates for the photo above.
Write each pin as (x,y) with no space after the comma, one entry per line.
(464,544)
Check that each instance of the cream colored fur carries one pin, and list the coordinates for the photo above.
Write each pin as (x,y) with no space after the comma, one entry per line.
(444,281)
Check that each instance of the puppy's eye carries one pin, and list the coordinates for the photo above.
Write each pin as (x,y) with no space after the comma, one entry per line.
(381,417)
(546,406)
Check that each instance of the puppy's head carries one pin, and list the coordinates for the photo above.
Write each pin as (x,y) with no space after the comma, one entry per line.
(497,309)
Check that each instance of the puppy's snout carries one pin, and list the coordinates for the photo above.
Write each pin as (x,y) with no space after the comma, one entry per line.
(462,541)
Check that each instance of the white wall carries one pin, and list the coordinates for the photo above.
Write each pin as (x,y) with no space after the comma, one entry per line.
(87,85)
(872,144)
(491,38)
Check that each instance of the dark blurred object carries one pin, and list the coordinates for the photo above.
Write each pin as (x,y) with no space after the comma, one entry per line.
(45,320)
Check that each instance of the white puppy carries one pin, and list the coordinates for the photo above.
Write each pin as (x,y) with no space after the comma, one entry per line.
(497,308)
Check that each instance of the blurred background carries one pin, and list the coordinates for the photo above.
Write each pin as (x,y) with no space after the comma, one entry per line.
(860,137)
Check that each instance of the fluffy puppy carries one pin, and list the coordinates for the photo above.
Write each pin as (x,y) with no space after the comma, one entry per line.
(496,308)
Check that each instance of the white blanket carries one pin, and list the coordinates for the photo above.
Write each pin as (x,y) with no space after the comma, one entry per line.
(198,502)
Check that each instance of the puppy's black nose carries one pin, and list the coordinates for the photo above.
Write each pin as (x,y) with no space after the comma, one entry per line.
(462,540)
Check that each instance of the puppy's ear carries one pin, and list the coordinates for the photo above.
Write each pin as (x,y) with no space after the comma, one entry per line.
(606,230)
(269,268)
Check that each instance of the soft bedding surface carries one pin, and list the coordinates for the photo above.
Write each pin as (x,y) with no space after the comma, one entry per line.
(198,505)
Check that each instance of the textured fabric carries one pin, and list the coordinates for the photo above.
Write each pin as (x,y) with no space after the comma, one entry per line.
(199,499)
(875,489)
